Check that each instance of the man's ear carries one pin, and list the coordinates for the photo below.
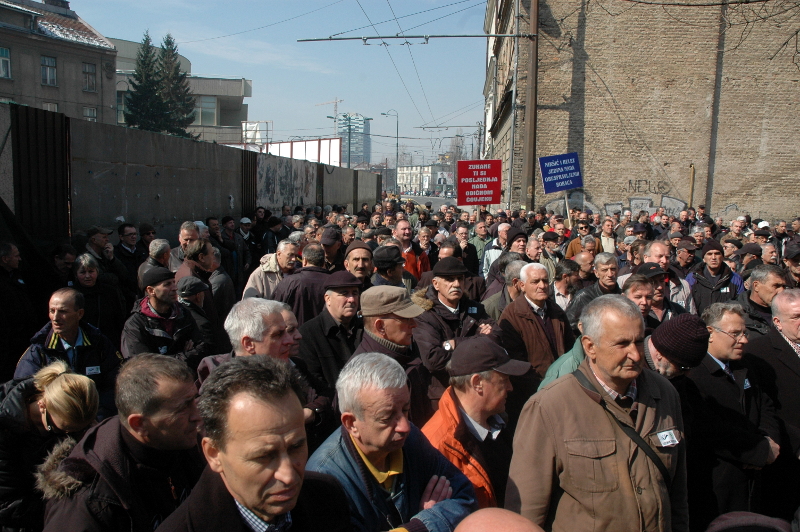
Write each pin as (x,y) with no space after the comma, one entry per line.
(476,383)
(211,453)
(589,348)
(137,423)
(248,345)
(348,421)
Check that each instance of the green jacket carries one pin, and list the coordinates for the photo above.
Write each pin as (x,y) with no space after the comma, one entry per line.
(565,364)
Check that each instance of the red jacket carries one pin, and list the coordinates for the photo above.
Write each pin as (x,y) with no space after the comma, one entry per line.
(417,261)
(447,432)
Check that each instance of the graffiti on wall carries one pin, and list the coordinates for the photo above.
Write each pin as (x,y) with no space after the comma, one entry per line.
(282,181)
(672,206)
(647,186)
(576,198)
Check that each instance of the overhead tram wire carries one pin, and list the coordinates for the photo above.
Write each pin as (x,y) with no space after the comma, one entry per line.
(414,14)
(393,63)
(419,79)
(267,26)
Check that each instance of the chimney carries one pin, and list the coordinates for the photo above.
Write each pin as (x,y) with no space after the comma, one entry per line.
(57,3)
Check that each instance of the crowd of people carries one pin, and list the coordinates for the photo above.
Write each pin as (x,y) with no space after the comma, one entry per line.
(407,369)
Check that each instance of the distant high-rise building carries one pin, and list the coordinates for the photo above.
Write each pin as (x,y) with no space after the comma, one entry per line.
(356,144)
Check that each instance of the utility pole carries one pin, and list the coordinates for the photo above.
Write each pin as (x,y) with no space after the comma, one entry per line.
(529,148)
(397,144)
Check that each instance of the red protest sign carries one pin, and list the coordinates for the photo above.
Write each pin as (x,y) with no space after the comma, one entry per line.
(479,182)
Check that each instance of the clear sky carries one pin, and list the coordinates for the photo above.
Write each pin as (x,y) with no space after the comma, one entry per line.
(440,83)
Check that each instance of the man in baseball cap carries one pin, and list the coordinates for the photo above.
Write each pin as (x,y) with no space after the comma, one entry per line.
(479,384)
(389,264)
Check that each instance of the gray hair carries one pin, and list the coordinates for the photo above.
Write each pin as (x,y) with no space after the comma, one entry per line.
(190,226)
(314,254)
(588,239)
(787,297)
(158,247)
(603,259)
(424,231)
(528,268)
(297,218)
(503,226)
(295,237)
(714,313)
(85,261)
(762,271)
(767,245)
(649,246)
(513,271)
(217,255)
(283,243)
(246,318)
(367,371)
(461,382)
(592,315)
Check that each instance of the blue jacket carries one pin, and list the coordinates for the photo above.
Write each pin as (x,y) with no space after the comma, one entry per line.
(369,508)
(97,358)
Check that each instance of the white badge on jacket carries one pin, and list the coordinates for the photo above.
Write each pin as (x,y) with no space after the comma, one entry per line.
(667,438)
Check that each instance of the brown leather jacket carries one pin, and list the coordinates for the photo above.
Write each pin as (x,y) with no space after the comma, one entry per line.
(573,467)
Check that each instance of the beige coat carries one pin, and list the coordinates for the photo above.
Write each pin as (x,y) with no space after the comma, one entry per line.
(575,470)
(264,279)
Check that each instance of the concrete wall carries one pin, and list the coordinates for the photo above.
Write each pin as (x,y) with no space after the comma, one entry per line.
(148,177)
(285,181)
(368,190)
(6,159)
(338,186)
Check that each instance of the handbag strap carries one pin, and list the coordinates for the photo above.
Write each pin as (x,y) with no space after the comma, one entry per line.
(629,431)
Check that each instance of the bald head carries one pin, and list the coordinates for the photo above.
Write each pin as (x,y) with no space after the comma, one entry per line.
(496,519)
(583,258)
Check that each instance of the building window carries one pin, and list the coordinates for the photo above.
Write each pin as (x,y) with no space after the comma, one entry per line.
(205,112)
(90,114)
(5,63)
(90,77)
(49,71)
(50,107)
(121,96)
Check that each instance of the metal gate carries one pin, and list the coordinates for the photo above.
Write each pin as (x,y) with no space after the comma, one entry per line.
(40,143)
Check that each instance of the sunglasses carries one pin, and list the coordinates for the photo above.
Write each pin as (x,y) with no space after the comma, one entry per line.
(51,426)
(149,233)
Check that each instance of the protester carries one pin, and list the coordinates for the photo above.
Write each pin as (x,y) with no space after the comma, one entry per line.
(392,476)
(104,304)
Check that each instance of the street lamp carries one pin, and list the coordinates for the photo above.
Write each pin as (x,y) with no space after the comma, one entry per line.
(397,144)
(421,164)
(350,130)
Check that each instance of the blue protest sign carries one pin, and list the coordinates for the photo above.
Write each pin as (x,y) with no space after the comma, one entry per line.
(560,172)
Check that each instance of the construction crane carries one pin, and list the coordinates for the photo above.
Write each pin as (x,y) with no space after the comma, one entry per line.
(336,101)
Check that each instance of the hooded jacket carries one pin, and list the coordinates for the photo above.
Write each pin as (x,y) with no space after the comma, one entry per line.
(265,278)
(97,358)
(101,485)
(147,332)
(704,293)
(22,449)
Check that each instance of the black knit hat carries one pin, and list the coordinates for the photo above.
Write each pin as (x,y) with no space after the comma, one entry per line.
(712,245)
(683,340)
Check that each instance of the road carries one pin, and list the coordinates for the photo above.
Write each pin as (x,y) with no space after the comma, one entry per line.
(435,201)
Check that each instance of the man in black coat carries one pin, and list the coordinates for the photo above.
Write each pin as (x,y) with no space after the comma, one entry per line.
(605,268)
(329,339)
(474,285)
(304,290)
(243,418)
(779,352)
(726,475)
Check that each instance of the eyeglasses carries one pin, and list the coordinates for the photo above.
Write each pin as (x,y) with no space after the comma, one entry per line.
(131,234)
(733,336)
(153,232)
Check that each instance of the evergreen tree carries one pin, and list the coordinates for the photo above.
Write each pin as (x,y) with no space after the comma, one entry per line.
(175,92)
(145,107)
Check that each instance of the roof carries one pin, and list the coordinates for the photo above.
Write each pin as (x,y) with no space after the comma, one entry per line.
(57,26)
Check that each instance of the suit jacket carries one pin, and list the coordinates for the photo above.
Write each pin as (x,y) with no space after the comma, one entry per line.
(743,416)
(779,367)
(321,505)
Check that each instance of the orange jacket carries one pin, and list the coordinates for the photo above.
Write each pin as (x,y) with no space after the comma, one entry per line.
(447,432)
(417,261)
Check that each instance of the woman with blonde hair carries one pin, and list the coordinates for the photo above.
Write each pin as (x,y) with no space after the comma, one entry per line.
(36,413)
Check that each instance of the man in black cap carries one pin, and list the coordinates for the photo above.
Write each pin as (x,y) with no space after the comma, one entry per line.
(684,257)
(191,292)
(389,267)
(358,261)
(332,243)
(749,256)
(449,317)
(147,233)
(550,246)
(712,281)
(160,325)
(361,226)
(469,428)
(661,308)
(330,338)
(474,285)
(303,291)
(725,473)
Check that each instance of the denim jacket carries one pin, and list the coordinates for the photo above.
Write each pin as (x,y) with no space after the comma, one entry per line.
(372,509)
